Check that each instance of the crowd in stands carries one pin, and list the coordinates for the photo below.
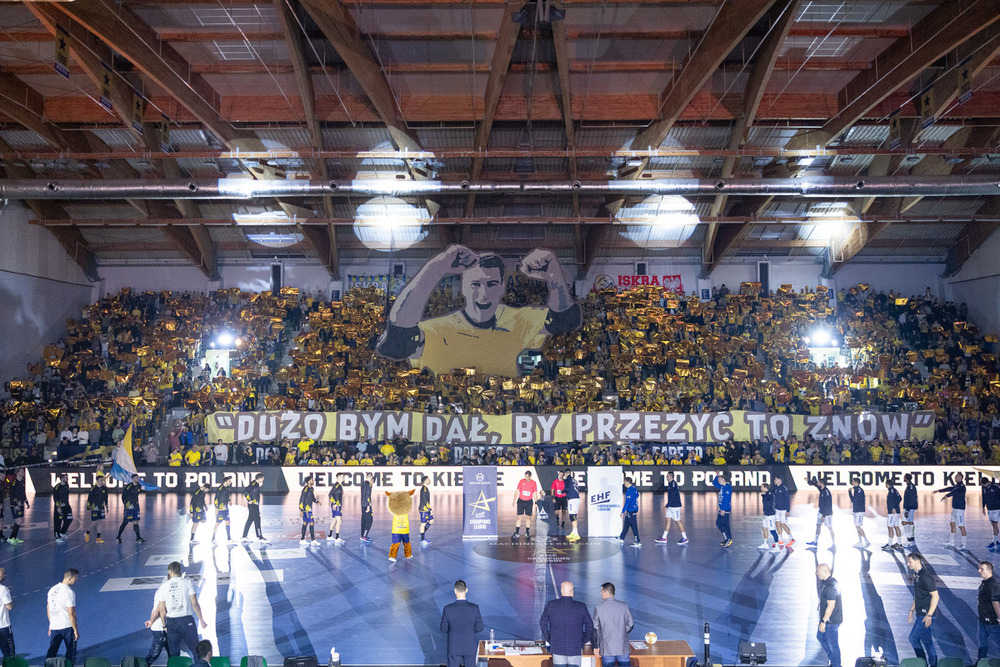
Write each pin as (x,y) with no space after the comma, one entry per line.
(131,357)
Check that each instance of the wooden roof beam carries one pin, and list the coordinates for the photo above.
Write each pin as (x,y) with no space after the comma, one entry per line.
(499,67)
(763,64)
(122,30)
(931,38)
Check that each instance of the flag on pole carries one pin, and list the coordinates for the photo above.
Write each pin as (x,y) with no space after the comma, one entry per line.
(123,466)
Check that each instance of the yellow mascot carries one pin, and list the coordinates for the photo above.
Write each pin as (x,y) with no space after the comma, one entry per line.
(399,504)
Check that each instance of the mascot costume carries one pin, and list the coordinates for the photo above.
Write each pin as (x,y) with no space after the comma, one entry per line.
(400,503)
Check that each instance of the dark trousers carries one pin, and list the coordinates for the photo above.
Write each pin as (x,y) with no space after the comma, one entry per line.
(830,641)
(58,637)
(922,641)
(156,646)
(985,634)
(367,519)
(7,642)
(182,628)
(722,523)
(253,518)
(629,522)
(458,660)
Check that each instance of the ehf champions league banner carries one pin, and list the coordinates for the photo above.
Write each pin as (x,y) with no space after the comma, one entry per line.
(605,498)
(479,506)
(589,427)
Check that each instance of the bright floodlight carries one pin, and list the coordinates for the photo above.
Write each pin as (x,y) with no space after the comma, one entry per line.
(225,340)
(820,338)
(389,223)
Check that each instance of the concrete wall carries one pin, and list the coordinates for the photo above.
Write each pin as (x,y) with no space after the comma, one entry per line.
(40,287)
(978,285)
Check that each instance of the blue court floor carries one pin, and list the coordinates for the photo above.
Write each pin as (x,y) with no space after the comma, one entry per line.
(284,599)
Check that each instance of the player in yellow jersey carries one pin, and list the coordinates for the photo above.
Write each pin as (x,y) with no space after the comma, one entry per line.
(459,339)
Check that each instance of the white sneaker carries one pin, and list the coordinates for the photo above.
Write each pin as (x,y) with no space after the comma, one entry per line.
(303,542)
(763,545)
(245,540)
(391,559)
(314,543)
(193,542)
(263,540)
(774,549)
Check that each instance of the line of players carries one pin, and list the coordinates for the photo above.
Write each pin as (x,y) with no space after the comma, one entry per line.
(308,500)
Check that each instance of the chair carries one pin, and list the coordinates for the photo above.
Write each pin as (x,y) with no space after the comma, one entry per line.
(97,661)
(950,662)
(913,662)
(219,661)
(18,661)
(179,661)
(253,661)
(58,661)
(133,661)
(983,662)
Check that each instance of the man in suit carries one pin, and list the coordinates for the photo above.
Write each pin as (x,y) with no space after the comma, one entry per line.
(612,623)
(461,620)
(566,626)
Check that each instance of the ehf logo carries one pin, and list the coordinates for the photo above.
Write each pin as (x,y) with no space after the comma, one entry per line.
(600,498)
(480,477)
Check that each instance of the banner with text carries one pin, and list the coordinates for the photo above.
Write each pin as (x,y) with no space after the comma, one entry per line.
(479,507)
(530,429)
(605,499)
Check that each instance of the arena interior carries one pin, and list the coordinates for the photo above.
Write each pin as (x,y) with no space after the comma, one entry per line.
(609,243)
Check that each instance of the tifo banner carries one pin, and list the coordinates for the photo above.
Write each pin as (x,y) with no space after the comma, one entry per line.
(532,429)
(479,507)
(484,333)
(605,496)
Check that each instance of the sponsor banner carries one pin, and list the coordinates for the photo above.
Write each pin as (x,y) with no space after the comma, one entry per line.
(926,478)
(169,479)
(532,429)
(479,509)
(669,282)
(605,497)
(394,284)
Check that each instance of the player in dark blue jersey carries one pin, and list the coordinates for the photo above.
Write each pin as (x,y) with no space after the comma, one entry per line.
(572,504)
(424,505)
(825,516)
(336,509)
(857,496)
(991,508)
(782,505)
(769,525)
(673,511)
(957,494)
(307,498)
(910,506)
(892,501)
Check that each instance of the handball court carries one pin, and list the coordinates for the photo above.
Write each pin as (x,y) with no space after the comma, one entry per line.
(283,600)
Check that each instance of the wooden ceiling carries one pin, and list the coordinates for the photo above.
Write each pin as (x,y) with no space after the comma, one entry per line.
(505,91)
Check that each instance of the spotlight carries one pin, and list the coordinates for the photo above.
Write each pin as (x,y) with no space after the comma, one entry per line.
(821,337)
(224,340)
(753,653)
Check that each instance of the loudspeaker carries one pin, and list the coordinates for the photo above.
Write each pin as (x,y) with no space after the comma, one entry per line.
(764,277)
(275,278)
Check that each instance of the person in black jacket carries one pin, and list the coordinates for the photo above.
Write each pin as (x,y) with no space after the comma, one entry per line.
(17,492)
(367,513)
(566,625)
(957,494)
(223,497)
(306,501)
(130,498)
(782,505)
(769,526)
(97,503)
(62,513)
(252,495)
(426,513)
(460,621)
(892,500)
(910,506)
(988,608)
(991,508)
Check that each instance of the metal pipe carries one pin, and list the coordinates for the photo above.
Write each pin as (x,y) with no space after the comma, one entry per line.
(245,188)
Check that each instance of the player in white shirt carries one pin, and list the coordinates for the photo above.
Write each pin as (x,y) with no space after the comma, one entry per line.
(61,610)
(6,604)
(176,605)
